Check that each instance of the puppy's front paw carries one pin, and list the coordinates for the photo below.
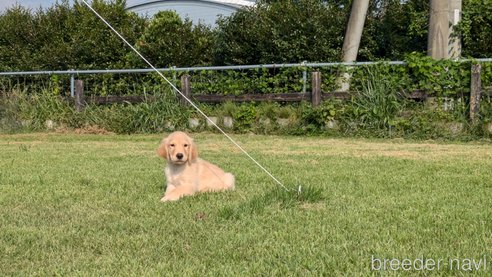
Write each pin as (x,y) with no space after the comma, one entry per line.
(167,198)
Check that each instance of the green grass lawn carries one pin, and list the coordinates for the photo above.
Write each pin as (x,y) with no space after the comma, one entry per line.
(89,205)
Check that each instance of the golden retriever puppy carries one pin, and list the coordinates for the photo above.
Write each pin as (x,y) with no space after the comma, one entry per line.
(187,174)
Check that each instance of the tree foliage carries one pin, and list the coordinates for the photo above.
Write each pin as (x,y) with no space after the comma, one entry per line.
(69,36)
(475,28)
(65,37)
(94,45)
(394,28)
(170,41)
(17,39)
(282,31)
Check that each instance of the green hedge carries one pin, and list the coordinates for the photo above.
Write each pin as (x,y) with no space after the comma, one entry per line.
(69,36)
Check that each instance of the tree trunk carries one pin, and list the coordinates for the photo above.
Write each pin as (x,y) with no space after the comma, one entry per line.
(353,36)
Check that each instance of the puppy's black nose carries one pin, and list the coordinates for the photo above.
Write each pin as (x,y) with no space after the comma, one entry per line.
(179,156)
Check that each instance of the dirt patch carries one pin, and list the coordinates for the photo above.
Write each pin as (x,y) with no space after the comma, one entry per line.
(313,206)
(85,130)
(368,149)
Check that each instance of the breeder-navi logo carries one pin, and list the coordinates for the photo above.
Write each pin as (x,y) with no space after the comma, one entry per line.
(429,264)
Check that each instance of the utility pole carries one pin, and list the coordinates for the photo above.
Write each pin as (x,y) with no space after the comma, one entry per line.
(454,45)
(353,36)
(444,15)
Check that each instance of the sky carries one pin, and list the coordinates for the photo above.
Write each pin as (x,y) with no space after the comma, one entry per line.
(197,13)
(35,4)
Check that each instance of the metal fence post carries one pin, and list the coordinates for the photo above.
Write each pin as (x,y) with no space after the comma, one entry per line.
(304,77)
(72,85)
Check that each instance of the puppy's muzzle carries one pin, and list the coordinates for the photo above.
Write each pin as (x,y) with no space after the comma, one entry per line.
(179,156)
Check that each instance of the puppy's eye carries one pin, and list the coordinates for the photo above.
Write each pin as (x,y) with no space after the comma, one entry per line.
(172,145)
(186,145)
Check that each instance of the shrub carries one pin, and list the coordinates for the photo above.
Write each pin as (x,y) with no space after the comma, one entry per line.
(442,78)
(170,41)
(281,32)
(258,80)
(245,118)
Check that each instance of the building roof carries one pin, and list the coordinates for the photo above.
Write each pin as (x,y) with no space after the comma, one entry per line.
(204,11)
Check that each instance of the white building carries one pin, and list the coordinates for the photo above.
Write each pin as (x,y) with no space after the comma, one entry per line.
(204,11)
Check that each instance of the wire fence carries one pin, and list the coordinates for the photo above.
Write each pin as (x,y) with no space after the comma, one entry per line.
(205,79)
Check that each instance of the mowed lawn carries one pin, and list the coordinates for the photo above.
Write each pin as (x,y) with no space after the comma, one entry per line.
(89,205)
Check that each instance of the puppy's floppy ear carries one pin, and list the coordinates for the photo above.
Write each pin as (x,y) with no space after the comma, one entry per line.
(162,149)
(193,152)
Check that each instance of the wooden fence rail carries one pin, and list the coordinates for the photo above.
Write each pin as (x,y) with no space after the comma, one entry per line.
(315,97)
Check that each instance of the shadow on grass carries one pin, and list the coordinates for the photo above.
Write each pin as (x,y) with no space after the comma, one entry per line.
(285,198)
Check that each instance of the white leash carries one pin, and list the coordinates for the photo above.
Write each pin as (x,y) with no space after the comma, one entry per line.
(186,98)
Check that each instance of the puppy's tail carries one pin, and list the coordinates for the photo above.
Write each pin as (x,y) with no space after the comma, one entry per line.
(229,181)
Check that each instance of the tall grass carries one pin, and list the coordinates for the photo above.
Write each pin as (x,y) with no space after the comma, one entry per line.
(21,110)
(377,104)
(378,111)
(162,113)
